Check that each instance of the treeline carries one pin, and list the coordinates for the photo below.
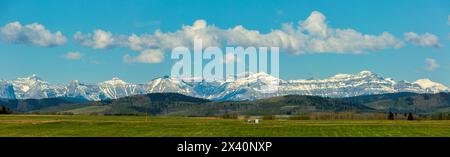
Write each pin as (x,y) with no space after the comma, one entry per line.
(5,110)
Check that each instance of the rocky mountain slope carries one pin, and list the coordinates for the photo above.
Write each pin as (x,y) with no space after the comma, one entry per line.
(251,87)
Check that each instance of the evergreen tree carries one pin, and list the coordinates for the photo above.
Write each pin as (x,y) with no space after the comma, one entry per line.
(5,110)
(410,116)
(391,116)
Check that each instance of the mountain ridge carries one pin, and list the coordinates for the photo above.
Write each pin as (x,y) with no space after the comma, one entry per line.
(249,87)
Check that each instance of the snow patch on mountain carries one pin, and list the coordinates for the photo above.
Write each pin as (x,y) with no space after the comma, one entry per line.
(117,88)
(34,87)
(248,86)
(6,90)
(431,86)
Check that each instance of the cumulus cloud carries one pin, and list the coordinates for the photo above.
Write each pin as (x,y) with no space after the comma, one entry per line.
(427,39)
(312,35)
(31,34)
(73,55)
(146,56)
(100,39)
(431,64)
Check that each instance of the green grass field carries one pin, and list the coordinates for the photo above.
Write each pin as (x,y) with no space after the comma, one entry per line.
(138,126)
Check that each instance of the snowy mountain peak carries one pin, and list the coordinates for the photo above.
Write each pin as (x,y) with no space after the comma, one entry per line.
(366,72)
(115,81)
(361,74)
(164,78)
(341,76)
(261,76)
(34,87)
(424,81)
(26,83)
(167,84)
(117,88)
(115,78)
(430,85)
(248,86)
(74,82)
(33,77)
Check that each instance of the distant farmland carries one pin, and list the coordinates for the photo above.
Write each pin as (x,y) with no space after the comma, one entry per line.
(142,126)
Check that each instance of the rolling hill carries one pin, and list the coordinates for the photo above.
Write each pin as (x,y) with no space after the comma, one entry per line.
(405,102)
(182,105)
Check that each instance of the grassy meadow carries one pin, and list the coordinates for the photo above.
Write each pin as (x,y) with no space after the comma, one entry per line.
(142,126)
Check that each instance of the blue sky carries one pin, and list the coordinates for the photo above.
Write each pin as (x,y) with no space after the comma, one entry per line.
(411,61)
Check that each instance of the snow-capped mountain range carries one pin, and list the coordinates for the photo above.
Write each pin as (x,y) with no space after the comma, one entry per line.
(250,87)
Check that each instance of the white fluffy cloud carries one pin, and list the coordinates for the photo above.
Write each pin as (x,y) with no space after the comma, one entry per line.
(431,64)
(73,55)
(146,56)
(427,39)
(310,36)
(31,34)
(100,39)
